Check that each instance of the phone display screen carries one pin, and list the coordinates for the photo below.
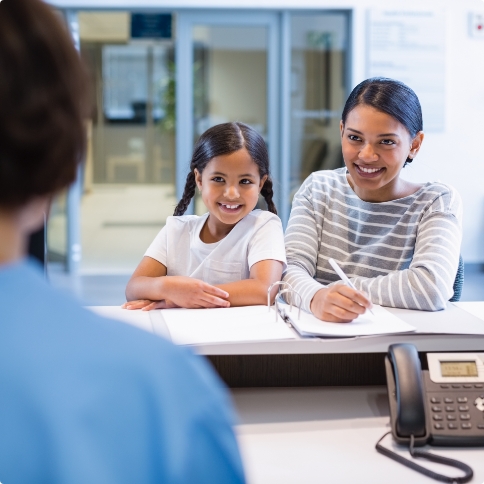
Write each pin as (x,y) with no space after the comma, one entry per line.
(458,368)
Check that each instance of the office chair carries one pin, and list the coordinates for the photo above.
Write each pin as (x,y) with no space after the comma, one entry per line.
(458,282)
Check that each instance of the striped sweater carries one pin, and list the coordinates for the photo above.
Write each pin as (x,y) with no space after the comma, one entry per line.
(403,253)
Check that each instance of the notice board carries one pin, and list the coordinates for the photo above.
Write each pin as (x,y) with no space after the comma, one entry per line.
(409,45)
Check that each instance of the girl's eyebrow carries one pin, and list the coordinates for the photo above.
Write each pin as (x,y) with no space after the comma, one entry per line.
(380,135)
(224,174)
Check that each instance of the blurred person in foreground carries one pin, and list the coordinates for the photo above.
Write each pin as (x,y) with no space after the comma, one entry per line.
(83,399)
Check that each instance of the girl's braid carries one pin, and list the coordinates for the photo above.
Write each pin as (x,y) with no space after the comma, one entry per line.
(268,193)
(188,194)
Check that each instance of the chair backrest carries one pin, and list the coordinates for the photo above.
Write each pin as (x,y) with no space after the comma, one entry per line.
(458,282)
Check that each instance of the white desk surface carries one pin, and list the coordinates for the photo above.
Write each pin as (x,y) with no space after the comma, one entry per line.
(327,435)
(427,323)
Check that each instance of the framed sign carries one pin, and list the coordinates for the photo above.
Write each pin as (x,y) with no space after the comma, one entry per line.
(151,26)
(410,46)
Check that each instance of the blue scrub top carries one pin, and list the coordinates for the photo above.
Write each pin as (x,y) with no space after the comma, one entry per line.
(89,400)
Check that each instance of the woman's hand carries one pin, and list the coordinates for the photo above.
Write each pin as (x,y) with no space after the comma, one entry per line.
(339,304)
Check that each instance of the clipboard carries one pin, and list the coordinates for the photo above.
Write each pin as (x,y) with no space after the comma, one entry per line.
(382,322)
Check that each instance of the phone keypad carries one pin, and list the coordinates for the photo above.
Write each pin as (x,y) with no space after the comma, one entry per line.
(452,417)
(455,411)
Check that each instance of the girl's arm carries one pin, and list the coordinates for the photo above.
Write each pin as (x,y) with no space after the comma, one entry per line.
(253,291)
(150,282)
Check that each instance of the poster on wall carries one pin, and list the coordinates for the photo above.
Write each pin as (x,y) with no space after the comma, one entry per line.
(410,46)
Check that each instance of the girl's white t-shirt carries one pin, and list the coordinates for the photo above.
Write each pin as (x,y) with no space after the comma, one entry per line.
(258,236)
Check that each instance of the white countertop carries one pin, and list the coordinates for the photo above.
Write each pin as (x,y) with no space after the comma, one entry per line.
(327,435)
(458,317)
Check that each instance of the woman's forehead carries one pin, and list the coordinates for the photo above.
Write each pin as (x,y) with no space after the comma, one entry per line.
(364,118)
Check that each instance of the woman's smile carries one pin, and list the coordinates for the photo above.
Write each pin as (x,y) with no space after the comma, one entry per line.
(367,171)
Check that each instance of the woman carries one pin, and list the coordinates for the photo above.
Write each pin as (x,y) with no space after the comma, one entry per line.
(83,399)
(398,242)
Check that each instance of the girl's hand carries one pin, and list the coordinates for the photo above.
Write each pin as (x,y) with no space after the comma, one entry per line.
(186,292)
(148,305)
(339,304)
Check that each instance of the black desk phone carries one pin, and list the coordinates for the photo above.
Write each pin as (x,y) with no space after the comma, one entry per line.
(439,401)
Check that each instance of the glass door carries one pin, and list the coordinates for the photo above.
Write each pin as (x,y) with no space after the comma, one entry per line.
(126,188)
(227,66)
(284,72)
(319,67)
(315,80)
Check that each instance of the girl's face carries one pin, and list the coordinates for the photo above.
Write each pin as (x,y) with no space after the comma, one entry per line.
(375,147)
(230,187)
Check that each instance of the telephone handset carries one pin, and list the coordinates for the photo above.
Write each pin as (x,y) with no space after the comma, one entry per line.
(440,404)
(407,408)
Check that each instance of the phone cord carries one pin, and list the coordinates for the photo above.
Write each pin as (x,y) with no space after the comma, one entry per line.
(432,457)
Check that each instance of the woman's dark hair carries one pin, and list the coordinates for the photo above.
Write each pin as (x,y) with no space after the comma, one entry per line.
(224,139)
(42,94)
(391,97)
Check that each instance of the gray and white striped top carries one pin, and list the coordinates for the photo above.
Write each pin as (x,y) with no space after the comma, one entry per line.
(404,253)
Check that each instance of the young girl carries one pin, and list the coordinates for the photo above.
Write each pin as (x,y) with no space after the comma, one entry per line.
(232,254)
(399,242)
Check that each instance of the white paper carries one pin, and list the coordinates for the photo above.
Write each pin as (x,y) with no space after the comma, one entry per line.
(223,325)
(135,317)
(382,322)
(476,308)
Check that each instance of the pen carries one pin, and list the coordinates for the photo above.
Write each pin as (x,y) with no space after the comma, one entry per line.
(344,277)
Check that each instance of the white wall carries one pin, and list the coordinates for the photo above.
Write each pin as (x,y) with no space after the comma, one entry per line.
(455,156)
